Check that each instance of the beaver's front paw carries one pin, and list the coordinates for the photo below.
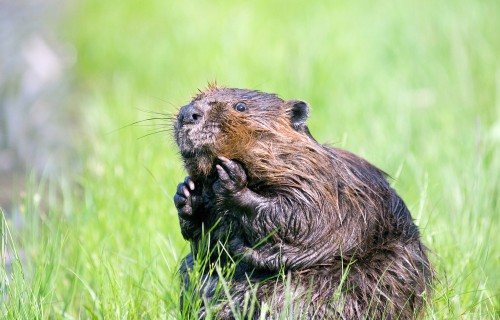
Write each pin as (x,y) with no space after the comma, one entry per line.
(185,201)
(232,178)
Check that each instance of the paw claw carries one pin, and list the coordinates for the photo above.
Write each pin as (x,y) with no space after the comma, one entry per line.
(189,183)
(223,175)
(185,191)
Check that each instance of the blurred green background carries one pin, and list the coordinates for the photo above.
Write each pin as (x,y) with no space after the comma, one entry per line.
(412,86)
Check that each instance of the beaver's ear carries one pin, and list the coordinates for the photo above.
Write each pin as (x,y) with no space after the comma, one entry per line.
(298,112)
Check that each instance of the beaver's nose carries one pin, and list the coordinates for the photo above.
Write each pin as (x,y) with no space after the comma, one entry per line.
(189,114)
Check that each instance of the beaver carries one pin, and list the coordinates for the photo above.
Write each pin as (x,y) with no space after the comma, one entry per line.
(300,221)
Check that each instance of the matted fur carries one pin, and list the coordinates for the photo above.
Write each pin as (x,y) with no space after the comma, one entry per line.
(320,211)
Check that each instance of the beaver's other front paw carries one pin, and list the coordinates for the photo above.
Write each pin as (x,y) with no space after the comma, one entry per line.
(185,201)
(232,177)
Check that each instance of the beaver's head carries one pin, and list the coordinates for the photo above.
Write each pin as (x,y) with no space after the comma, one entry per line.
(229,122)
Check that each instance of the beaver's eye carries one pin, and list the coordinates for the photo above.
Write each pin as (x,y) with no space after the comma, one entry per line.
(240,107)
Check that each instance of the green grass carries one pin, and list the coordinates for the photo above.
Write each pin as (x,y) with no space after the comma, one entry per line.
(412,86)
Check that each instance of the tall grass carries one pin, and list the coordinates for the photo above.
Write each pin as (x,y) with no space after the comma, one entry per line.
(413,86)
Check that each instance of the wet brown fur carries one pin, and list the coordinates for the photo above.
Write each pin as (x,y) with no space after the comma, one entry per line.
(328,210)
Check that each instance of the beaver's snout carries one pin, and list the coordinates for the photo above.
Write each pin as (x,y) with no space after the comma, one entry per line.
(189,114)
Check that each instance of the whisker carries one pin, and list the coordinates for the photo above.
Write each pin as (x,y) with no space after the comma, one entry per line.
(156,112)
(170,115)
(164,128)
(165,101)
(153,125)
(137,122)
(150,134)
(150,119)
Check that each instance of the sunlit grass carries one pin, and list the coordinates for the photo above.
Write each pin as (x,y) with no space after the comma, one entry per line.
(413,86)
